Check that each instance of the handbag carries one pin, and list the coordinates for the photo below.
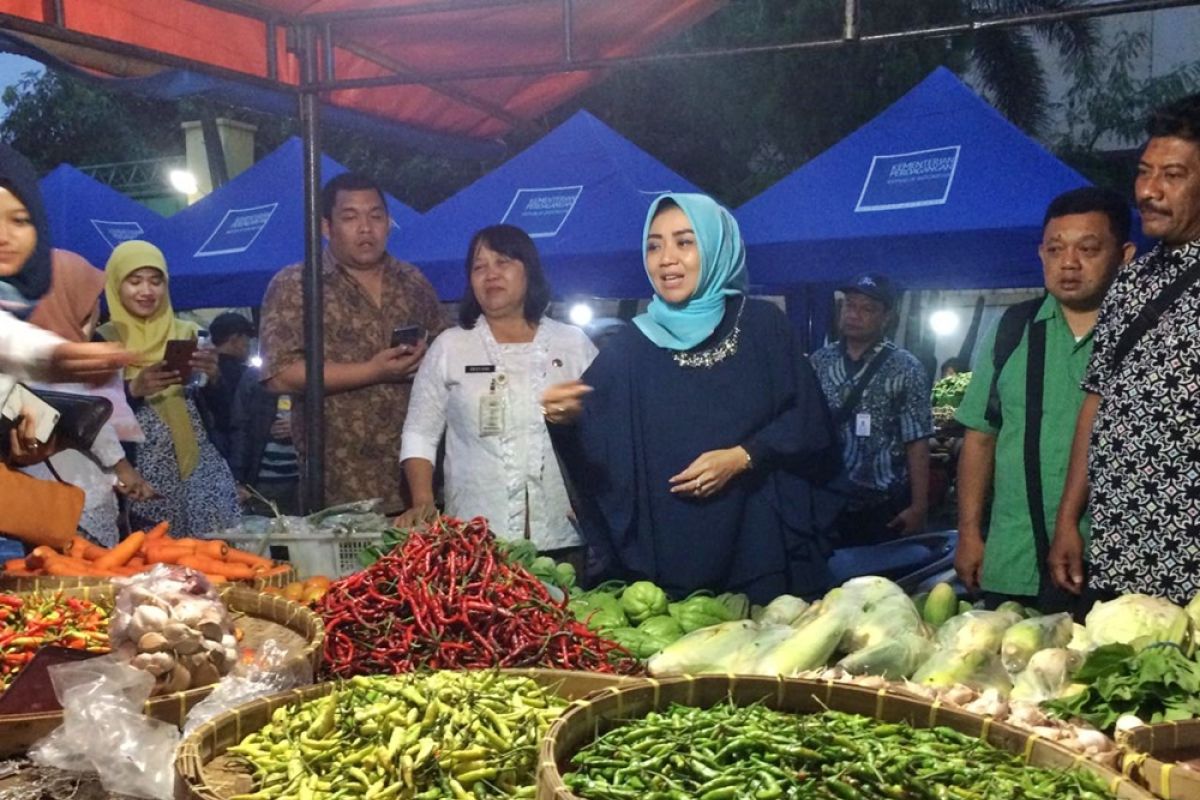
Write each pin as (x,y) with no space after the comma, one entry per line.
(37,511)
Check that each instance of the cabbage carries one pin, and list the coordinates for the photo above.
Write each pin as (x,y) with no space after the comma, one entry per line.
(1139,620)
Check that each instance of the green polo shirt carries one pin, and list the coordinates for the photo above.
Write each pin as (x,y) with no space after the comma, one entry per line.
(1010,558)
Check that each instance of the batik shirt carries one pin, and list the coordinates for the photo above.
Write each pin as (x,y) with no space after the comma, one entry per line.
(898,402)
(362,426)
(1144,458)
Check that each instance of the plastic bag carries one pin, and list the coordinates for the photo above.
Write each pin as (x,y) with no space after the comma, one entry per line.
(979,669)
(888,619)
(104,730)
(272,670)
(1047,675)
(894,659)
(975,630)
(1029,636)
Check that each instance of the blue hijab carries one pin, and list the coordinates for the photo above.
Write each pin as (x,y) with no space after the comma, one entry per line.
(682,326)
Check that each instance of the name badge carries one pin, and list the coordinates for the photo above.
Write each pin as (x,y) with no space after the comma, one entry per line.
(474,369)
(491,415)
(862,424)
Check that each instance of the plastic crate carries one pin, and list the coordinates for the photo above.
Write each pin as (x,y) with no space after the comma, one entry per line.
(310,553)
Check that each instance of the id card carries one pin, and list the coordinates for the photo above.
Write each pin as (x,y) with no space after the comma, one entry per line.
(491,415)
(862,424)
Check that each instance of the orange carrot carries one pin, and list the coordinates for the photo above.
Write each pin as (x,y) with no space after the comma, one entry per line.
(235,556)
(212,548)
(216,580)
(167,552)
(158,532)
(136,561)
(40,556)
(81,548)
(211,566)
(125,550)
(15,564)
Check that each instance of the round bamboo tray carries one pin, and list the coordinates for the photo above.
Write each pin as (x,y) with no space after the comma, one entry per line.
(591,717)
(202,774)
(53,583)
(1151,755)
(260,616)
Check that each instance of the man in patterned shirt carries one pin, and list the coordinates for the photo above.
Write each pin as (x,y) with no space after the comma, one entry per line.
(368,294)
(879,397)
(1138,433)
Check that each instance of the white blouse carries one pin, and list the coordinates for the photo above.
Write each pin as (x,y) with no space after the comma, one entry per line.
(497,469)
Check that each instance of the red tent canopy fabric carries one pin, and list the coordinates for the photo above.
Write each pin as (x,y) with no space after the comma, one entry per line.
(426,39)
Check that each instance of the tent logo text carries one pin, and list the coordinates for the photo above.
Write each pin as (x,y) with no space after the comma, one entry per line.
(114,232)
(909,180)
(237,230)
(542,212)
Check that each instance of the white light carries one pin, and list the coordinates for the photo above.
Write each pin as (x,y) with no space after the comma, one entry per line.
(944,322)
(256,362)
(183,181)
(581,314)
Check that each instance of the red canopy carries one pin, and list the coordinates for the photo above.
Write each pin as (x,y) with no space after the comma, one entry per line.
(414,40)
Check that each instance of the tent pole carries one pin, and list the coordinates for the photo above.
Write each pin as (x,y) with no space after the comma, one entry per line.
(850,30)
(314,318)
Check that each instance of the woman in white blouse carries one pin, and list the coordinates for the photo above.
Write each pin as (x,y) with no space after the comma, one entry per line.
(480,384)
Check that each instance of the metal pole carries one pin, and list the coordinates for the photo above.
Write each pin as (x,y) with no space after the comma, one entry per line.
(568,24)
(218,172)
(850,31)
(272,51)
(313,485)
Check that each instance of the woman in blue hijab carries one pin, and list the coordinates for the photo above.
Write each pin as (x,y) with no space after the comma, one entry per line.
(698,438)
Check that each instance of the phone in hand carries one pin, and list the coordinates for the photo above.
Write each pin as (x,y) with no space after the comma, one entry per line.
(178,357)
(407,335)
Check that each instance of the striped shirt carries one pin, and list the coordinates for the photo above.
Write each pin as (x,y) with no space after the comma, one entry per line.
(898,402)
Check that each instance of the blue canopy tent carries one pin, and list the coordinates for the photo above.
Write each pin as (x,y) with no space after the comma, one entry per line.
(223,250)
(89,218)
(581,192)
(938,191)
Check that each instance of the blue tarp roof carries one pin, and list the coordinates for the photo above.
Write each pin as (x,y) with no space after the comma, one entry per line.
(938,191)
(223,250)
(581,191)
(90,218)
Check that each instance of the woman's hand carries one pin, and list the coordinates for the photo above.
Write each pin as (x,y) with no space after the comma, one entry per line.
(24,449)
(153,379)
(87,362)
(709,473)
(131,483)
(419,514)
(563,403)
(205,360)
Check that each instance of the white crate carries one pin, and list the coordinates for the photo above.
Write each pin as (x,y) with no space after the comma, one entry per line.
(310,553)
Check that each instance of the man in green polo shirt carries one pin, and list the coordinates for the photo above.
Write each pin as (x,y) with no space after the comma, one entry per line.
(1085,239)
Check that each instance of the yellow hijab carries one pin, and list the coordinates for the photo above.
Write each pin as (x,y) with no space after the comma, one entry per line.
(147,340)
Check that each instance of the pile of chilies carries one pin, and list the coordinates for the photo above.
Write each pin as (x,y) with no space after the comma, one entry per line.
(29,623)
(448,599)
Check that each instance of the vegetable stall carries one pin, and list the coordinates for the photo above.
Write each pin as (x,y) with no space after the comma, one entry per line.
(447,653)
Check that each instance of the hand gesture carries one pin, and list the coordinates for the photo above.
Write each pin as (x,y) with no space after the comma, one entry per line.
(153,379)
(87,362)
(1066,558)
(131,483)
(204,359)
(399,364)
(710,472)
(417,515)
(24,449)
(968,559)
(563,403)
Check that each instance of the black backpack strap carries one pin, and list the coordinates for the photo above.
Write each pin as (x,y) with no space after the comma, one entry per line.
(1150,313)
(1035,375)
(842,413)
(1013,322)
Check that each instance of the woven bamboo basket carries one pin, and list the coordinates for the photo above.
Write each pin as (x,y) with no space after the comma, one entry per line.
(1151,756)
(194,780)
(53,583)
(591,717)
(263,617)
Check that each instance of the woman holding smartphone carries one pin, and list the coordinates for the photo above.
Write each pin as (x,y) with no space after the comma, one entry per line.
(479,384)
(196,491)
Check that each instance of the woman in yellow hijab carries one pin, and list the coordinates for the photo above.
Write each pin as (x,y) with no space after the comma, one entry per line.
(197,494)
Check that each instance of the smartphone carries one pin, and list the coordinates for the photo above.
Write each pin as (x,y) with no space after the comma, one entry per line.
(407,334)
(178,356)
